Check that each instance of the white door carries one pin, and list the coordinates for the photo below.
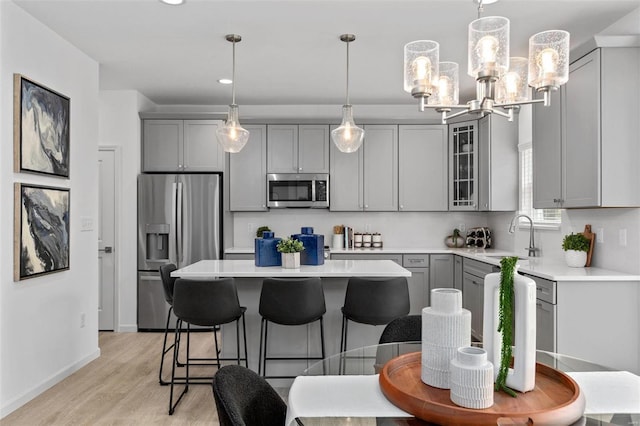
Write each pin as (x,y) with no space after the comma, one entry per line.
(106,239)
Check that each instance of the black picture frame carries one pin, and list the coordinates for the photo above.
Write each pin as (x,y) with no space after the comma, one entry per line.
(41,128)
(41,230)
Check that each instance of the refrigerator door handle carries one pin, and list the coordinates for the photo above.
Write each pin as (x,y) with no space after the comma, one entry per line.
(179,227)
(173,258)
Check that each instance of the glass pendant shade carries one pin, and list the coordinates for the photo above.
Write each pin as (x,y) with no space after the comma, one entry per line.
(232,136)
(421,61)
(446,88)
(513,86)
(488,53)
(347,137)
(549,59)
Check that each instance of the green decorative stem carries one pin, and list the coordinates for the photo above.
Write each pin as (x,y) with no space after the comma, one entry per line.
(505,321)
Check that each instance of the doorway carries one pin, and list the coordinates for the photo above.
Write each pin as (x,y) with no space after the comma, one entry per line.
(107,226)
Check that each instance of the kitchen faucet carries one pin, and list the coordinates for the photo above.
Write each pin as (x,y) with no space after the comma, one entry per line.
(512,228)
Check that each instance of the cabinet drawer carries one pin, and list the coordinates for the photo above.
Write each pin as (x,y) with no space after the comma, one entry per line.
(368,256)
(479,269)
(545,289)
(415,260)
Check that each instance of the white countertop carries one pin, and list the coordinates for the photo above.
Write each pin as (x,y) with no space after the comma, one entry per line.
(554,269)
(331,268)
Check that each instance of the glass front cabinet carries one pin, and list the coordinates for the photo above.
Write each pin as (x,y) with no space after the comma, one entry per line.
(463,166)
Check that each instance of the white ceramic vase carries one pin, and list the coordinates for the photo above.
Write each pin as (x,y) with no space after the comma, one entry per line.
(471,378)
(523,374)
(291,260)
(445,328)
(575,258)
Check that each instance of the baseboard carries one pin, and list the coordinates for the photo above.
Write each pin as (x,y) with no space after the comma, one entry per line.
(128,328)
(18,402)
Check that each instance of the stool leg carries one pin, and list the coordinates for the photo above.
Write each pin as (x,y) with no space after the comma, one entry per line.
(215,340)
(264,358)
(260,373)
(164,348)
(178,334)
(322,345)
(244,333)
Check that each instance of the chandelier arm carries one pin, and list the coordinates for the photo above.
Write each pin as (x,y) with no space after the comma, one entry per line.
(454,115)
(510,104)
(446,106)
(502,113)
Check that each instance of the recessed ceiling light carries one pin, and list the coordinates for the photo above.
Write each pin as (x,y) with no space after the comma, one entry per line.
(173,2)
(225,81)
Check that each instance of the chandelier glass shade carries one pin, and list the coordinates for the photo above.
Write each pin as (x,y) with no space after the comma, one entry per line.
(347,137)
(502,82)
(232,136)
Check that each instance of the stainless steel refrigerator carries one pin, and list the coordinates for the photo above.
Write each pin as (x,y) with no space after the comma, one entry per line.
(179,221)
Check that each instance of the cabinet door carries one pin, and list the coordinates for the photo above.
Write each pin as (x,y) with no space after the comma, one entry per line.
(457,272)
(463,166)
(581,155)
(247,173)
(202,152)
(282,148)
(381,168)
(547,153)
(441,271)
(422,168)
(346,179)
(313,149)
(545,326)
(162,145)
(418,284)
(473,299)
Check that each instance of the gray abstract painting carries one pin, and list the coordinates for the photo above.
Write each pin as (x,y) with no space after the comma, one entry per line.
(42,228)
(42,135)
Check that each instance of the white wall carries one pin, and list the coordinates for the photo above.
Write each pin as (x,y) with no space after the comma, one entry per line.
(41,340)
(120,127)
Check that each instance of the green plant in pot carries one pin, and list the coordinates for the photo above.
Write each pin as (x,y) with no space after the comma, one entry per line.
(260,230)
(290,249)
(576,247)
(455,239)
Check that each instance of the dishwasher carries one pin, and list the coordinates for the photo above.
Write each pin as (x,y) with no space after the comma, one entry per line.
(473,292)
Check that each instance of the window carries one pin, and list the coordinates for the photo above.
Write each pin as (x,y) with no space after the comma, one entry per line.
(539,216)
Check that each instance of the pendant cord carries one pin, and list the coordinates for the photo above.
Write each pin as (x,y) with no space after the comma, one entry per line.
(233,75)
(347,73)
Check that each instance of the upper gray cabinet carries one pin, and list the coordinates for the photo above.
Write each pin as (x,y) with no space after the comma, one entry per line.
(463,165)
(547,153)
(346,179)
(422,168)
(598,132)
(247,173)
(297,148)
(181,146)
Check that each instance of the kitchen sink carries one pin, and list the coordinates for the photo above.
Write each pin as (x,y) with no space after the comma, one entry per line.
(500,256)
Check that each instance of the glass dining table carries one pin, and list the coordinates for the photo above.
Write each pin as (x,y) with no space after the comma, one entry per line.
(369,361)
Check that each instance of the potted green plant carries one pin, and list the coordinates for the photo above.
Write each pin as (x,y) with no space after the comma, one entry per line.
(260,230)
(455,239)
(576,247)
(290,249)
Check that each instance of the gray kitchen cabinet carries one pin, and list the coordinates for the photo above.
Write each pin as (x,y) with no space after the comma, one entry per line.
(473,292)
(547,153)
(463,165)
(598,133)
(181,146)
(546,313)
(422,168)
(497,164)
(366,180)
(457,272)
(418,282)
(298,148)
(247,173)
(380,167)
(441,271)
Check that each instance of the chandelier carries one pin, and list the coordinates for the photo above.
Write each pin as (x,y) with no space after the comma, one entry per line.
(501,82)
(232,136)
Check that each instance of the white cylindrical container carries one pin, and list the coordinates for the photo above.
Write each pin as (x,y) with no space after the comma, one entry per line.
(337,241)
(471,378)
(445,328)
(366,240)
(575,258)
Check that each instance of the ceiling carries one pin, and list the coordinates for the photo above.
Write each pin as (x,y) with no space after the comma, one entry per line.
(290,52)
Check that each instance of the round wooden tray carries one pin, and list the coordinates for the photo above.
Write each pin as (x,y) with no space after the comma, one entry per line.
(556,399)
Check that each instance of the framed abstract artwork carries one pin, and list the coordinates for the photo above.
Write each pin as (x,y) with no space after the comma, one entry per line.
(40,128)
(41,230)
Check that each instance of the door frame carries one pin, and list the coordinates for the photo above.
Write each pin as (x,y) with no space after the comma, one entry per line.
(117,164)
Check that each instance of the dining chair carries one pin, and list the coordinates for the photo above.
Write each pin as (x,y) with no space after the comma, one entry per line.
(243,398)
(290,302)
(403,329)
(206,303)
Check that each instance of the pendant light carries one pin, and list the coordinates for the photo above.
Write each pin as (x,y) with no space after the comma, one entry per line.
(232,136)
(347,137)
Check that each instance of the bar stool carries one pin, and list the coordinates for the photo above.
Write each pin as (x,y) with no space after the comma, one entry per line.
(290,301)
(168,283)
(206,303)
(374,301)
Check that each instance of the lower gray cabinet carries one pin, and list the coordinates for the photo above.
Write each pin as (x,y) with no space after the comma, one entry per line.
(546,313)
(457,272)
(418,264)
(441,271)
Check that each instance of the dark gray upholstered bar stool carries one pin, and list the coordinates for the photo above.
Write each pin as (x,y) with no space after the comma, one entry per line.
(403,329)
(290,301)
(243,398)
(206,303)
(168,283)
(374,301)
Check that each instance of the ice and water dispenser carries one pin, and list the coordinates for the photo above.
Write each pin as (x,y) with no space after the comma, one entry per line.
(157,241)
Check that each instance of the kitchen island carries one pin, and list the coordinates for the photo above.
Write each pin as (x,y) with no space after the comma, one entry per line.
(298,340)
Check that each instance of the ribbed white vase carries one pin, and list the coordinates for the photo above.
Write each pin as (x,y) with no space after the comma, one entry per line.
(445,328)
(471,378)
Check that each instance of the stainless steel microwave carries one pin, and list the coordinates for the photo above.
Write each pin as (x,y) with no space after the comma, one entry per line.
(298,190)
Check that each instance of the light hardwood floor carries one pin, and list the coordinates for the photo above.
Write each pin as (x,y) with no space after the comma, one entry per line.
(121,388)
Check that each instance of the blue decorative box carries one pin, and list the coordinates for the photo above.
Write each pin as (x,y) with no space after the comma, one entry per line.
(266,253)
(313,253)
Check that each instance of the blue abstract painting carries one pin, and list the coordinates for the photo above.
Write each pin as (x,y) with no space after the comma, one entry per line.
(42,230)
(41,136)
